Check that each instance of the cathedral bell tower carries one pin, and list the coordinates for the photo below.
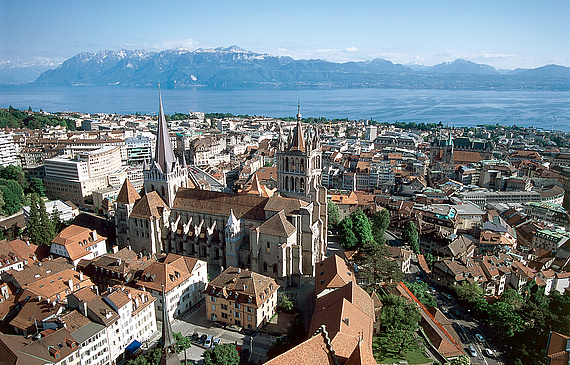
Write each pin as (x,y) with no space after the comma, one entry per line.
(299,162)
(165,174)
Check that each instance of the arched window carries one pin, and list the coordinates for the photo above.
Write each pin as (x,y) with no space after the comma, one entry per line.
(151,187)
(303,165)
(162,191)
(302,187)
(286,183)
(265,267)
(275,268)
(296,165)
(286,164)
(268,247)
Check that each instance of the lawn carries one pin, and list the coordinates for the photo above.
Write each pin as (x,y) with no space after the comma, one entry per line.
(384,352)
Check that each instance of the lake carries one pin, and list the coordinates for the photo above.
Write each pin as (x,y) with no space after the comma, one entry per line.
(541,109)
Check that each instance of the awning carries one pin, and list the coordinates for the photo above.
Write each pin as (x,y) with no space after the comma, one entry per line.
(134,346)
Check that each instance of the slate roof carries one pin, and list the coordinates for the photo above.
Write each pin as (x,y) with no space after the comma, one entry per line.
(277,225)
(150,205)
(248,207)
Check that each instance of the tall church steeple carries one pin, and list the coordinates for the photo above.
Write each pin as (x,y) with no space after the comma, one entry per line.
(167,341)
(164,154)
(166,173)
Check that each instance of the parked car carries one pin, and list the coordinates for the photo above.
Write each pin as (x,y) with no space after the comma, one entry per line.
(195,336)
(472,351)
(202,339)
(234,327)
(217,341)
(480,338)
(447,296)
(489,352)
(208,342)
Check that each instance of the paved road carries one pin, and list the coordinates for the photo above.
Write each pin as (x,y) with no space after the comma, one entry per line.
(466,327)
(195,321)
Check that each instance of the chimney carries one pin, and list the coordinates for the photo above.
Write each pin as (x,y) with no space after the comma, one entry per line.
(80,276)
(94,235)
(83,308)
(39,298)
(70,283)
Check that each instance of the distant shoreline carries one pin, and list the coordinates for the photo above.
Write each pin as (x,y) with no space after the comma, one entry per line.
(525,108)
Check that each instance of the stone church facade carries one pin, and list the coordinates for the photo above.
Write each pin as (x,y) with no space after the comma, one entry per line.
(283,236)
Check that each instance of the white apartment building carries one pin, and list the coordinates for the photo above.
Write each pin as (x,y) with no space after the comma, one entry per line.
(126,313)
(76,179)
(183,280)
(76,243)
(66,212)
(8,149)
(93,344)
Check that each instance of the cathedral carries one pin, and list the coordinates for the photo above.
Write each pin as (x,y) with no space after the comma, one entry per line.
(282,236)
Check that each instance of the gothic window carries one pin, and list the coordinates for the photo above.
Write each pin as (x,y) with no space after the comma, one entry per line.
(265,267)
(303,165)
(286,164)
(296,185)
(286,183)
(296,165)
(302,187)
(275,268)
(268,247)
(152,187)
(162,191)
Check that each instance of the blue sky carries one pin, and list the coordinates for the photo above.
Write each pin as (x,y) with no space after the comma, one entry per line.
(504,34)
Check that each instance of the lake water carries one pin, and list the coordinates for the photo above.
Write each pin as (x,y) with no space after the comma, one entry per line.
(542,109)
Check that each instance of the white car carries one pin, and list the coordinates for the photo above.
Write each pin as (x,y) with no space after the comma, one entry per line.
(208,342)
(489,352)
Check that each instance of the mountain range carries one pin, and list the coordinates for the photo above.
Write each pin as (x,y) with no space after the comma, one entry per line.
(235,67)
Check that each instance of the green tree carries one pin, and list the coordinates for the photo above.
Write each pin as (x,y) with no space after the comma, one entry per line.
(469,292)
(33,224)
(15,173)
(37,187)
(420,291)
(47,231)
(11,201)
(57,224)
(461,360)
(361,227)
(347,237)
(333,213)
(380,223)
(225,354)
(400,319)
(182,342)
(285,302)
(375,265)
(410,236)
(430,259)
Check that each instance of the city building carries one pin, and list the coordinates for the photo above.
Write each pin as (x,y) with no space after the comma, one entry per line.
(76,179)
(76,243)
(178,280)
(241,297)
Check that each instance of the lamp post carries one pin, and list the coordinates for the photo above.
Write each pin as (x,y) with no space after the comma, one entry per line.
(250,348)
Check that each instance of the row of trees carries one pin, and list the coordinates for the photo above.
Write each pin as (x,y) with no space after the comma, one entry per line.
(42,227)
(14,118)
(524,320)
